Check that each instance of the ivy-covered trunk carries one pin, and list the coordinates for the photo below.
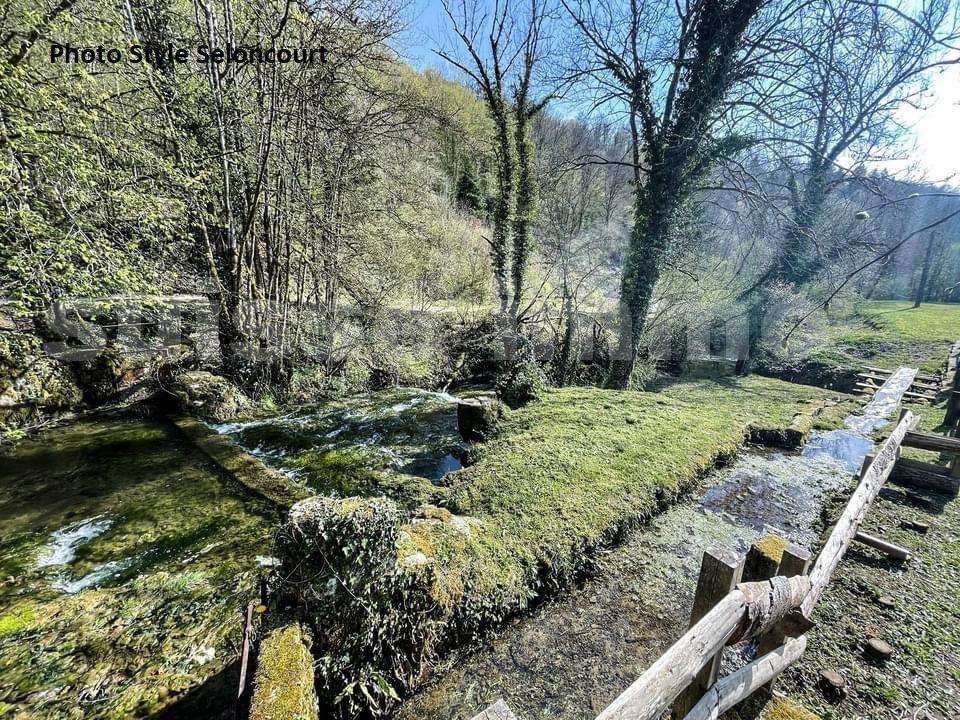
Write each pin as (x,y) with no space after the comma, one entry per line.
(640,274)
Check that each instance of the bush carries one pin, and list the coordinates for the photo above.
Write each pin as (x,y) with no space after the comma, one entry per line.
(372,615)
(523,382)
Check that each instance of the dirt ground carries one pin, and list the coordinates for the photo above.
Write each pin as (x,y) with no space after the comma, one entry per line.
(922,678)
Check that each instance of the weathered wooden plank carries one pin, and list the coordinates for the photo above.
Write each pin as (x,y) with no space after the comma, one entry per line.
(750,610)
(738,686)
(720,571)
(498,711)
(887,548)
(937,443)
(885,372)
(924,476)
(872,478)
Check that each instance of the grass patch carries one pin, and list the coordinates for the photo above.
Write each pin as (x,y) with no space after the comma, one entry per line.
(889,334)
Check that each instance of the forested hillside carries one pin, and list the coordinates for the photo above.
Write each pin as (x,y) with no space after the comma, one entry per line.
(308,203)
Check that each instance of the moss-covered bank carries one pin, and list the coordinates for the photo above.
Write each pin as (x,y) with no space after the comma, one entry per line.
(564,476)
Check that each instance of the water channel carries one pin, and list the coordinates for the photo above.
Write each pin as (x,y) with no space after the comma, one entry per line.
(572,655)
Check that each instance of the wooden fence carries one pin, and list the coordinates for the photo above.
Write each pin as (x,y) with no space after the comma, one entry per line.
(776,608)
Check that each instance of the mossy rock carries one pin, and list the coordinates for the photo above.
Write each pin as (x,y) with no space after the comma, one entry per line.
(340,565)
(477,418)
(100,377)
(283,686)
(209,396)
(32,384)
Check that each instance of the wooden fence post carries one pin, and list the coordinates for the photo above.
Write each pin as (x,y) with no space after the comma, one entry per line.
(795,561)
(769,556)
(720,571)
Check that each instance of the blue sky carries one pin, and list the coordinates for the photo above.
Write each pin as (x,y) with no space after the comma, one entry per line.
(932,151)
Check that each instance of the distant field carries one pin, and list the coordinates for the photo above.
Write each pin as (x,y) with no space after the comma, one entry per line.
(888,334)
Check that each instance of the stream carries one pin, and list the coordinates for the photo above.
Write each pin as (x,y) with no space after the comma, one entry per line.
(400,432)
(572,655)
(126,560)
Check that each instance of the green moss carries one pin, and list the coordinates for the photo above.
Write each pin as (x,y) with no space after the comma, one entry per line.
(13,621)
(344,471)
(283,684)
(782,708)
(245,469)
(772,547)
(569,473)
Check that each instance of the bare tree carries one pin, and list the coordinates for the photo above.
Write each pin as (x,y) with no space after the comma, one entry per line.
(499,51)
(831,107)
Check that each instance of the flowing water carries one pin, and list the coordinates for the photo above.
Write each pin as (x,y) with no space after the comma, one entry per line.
(401,432)
(125,561)
(571,656)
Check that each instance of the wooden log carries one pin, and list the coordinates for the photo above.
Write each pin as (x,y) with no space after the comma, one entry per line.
(887,548)
(937,443)
(749,610)
(872,478)
(794,561)
(720,571)
(919,396)
(737,687)
(924,476)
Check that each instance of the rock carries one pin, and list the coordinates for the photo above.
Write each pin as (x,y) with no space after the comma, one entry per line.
(915,525)
(32,384)
(209,396)
(833,684)
(100,377)
(887,602)
(477,417)
(878,649)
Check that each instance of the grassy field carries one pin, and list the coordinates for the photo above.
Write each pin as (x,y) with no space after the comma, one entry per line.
(569,473)
(889,334)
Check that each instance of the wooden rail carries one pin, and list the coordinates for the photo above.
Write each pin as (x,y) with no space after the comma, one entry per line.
(777,611)
(744,613)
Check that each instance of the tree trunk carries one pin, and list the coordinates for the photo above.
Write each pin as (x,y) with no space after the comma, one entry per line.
(640,274)
(920,293)
(565,360)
